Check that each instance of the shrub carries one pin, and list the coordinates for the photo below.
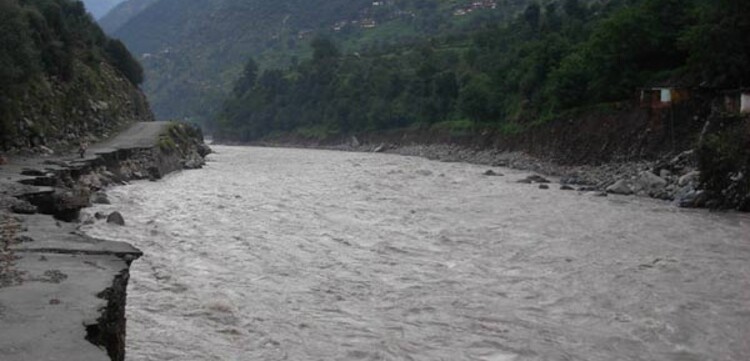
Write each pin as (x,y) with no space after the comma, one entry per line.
(724,161)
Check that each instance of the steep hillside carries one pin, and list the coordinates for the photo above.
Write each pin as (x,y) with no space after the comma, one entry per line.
(99,8)
(122,13)
(193,50)
(61,79)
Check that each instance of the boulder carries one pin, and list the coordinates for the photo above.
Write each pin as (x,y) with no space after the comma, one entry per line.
(23,207)
(693,199)
(45,150)
(116,218)
(537,179)
(194,161)
(689,178)
(620,187)
(596,194)
(100,215)
(648,182)
(543,186)
(381,148)
(204,150)
(72,199)
(86,219)
(91,180)
(108,174)
(566,187)
(100,198)
(684,160)
(534,179)
(3,160)
(492,173)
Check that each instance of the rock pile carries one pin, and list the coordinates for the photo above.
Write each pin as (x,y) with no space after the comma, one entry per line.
(676,179)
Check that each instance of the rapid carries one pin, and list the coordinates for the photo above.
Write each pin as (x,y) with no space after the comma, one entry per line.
(289,254)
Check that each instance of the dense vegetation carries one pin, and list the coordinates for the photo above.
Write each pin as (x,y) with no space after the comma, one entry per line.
(725,164)
(193,50)
(44,41)
(550,59)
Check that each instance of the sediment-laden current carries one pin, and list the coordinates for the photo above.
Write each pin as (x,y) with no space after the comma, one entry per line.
(284,254)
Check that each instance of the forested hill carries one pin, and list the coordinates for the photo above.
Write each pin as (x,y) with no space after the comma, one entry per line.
(61,78)
(550,60)
(193,50)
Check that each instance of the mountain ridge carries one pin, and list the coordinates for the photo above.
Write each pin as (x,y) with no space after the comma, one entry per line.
(99,8)
(193,51)
(122,13)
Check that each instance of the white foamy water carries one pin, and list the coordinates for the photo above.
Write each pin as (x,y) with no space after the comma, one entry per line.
(283,254)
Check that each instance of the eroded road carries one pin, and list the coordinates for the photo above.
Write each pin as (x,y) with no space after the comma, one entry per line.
(282,254)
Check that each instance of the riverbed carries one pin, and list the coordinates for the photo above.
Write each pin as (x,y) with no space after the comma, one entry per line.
(289,254)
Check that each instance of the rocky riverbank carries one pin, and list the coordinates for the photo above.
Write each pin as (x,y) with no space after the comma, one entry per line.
(672,178)
(62,294)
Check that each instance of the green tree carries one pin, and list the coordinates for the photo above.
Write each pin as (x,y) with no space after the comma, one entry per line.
(17,58)
(718,46)
(533,15)
(247,79)
(17,64)
(474,99)
(324,49)
(574,9)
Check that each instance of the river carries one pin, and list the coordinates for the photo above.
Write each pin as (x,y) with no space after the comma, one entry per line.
(288,254)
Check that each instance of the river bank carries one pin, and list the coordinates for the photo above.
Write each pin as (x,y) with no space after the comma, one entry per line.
(671,177)
(62,293)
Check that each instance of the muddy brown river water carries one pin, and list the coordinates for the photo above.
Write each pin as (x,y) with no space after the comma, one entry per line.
(286,254)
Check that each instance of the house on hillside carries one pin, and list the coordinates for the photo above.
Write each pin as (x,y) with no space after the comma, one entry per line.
(737,101)
(484,4)
(340,25)
(474,6)
(304,34)
(663,96)
(368,23)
